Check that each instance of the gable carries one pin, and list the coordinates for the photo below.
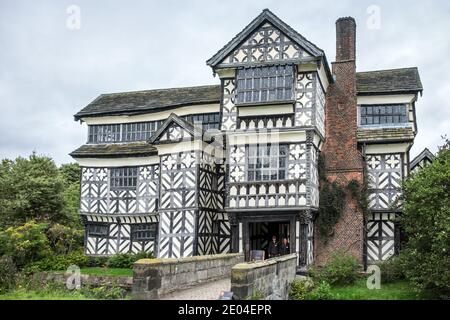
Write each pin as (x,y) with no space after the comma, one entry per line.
(266,44)
(266,38)
(173,133)
(174,129)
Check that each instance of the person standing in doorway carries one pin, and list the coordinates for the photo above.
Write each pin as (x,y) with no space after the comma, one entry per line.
(284,247)
(273,247)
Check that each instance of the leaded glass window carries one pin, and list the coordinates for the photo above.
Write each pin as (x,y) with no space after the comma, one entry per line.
(97,230)
(208,120)
(265,84)
(104,133)
(143,231)
(139,131)
(266,163)
(124,178)
(383,114)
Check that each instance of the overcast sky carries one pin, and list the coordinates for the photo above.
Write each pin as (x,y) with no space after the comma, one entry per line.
(49,71)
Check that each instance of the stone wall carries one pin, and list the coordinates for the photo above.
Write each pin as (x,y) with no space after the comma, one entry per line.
(269,279)
(154,278)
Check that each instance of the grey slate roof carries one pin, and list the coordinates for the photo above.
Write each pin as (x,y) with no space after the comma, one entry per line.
(136,102)
(267,15)
(384,134)
(403,80)
(114,150)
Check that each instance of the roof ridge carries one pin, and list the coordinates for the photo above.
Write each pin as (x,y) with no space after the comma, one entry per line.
(381,70)
(160,89)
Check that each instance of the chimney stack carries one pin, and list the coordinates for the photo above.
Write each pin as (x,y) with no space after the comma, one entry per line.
(342,156)
(345,39)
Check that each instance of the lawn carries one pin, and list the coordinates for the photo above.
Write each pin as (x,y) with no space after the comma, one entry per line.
(389,291)
(97,271)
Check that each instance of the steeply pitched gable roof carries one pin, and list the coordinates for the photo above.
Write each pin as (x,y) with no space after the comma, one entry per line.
(405,80)
(173,118)
(149,101)
(268,16)
(425,154)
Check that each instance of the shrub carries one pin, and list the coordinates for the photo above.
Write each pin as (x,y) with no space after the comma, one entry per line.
(8,274)
(26,243)
(64,239)
(299,289)
(341,269)
(392,270)
(58,263)
(96,261)
(120,260)
(126,260)
(321,292)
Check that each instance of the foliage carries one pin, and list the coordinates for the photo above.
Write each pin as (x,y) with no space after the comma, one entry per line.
(70,173)
(30,189)
(7,274)
(360,192)
(96,261)
(392,270)
(341,269)
(105,292)
(64,239)
(30,288)
(58,262)
(322,291)
(126,260)
(26,243)
(299,289)
(331,205)
(426,223)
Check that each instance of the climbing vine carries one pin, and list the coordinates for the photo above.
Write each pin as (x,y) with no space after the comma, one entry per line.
(332,201)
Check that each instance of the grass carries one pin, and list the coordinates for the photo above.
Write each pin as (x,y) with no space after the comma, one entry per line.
(389,291)
(97,271)
(22,294)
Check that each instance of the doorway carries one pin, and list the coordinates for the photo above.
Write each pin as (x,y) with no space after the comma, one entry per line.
(260,233)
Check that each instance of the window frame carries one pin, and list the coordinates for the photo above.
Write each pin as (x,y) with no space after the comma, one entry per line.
(210,120)
(252,173)
(97,230)
(382,115)
(123,178)
(268,80)
(138,235)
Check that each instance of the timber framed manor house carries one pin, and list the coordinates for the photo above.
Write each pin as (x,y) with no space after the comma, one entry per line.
(221,168)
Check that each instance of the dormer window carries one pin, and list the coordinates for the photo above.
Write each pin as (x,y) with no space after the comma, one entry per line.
(375,115)
(265,84)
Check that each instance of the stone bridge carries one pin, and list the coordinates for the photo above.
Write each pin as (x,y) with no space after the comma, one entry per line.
(204,277)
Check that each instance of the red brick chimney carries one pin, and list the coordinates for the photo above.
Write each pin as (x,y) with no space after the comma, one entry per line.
(343,160)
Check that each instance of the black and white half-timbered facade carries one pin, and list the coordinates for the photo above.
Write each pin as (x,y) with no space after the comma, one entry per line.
(221,168)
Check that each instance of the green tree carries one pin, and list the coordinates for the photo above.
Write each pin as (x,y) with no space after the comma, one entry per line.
(30,189)
(426,223)
(70,173)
